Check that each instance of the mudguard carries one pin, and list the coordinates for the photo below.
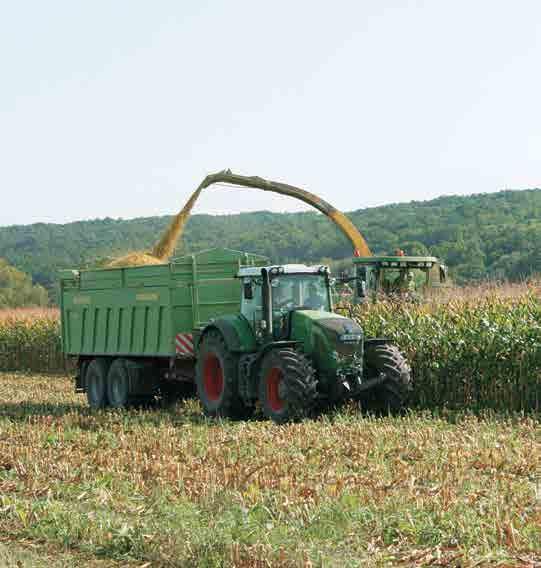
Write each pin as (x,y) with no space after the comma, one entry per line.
(237,332)
(377,341)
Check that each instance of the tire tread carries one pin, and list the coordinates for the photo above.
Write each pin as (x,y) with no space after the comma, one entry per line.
(391,395)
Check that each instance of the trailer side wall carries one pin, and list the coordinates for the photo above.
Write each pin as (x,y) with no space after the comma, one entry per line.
(141,311)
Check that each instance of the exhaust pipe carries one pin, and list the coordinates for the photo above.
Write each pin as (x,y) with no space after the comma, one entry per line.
(267,302)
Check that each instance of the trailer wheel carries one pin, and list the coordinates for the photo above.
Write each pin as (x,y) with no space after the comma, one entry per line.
(118,384)
(391,395)
(287,385)
(96,383)
(216,377)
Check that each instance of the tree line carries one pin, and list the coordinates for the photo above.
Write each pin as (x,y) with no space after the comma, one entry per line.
(495,235)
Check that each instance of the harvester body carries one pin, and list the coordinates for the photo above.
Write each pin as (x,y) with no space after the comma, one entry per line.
(379,275)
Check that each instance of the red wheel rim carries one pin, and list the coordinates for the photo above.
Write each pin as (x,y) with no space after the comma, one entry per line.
(213,377)
(274,378)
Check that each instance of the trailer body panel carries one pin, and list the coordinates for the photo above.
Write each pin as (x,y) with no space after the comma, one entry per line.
(149,311)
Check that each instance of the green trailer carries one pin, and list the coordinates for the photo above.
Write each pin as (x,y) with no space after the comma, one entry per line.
(147,316)
(149,311)
(242,332)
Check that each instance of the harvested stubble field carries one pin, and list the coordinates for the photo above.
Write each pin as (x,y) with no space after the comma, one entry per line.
(166,487)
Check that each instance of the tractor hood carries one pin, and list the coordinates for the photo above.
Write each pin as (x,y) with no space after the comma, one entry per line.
(344,328)
(342,333)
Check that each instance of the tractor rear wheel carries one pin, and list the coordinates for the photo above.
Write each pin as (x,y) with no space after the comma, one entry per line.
(287,385)
(216,377)
(391,395)
(96,383)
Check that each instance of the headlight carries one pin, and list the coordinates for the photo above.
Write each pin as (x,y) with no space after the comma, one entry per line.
(350,337)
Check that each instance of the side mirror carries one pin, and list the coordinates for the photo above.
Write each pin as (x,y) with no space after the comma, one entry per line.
(248,290)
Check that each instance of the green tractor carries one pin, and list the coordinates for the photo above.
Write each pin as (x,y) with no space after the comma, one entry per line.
(289,353)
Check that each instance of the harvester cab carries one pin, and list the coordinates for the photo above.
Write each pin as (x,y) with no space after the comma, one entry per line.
(396,276)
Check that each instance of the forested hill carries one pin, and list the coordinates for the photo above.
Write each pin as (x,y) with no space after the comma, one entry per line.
(496,234)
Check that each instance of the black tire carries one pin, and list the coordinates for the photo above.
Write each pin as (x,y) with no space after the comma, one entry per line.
(216,377)
(390,396)
(96,383)
(118,384)
(287,385)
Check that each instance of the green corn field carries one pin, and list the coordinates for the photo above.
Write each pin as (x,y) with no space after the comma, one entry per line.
(481,353)
(467,352)
(30,341)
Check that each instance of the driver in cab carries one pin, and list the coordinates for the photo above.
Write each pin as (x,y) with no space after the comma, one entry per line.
(282,295)
(315,299)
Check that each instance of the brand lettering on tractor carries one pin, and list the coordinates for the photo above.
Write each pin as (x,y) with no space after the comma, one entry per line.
(184,344)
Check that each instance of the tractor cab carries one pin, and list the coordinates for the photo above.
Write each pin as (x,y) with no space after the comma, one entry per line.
(271,293)
(396,276)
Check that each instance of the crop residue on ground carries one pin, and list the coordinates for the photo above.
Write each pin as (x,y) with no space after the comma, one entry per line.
(174,489)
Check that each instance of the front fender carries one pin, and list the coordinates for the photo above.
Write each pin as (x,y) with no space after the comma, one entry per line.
(376,341)
(236,331)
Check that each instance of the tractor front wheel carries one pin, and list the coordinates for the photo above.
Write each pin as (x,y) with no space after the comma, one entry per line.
(391,395)
(287,385)
(216,377)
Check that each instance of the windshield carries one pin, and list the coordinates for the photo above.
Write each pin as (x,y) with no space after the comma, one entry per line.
(400,280)
(291,291)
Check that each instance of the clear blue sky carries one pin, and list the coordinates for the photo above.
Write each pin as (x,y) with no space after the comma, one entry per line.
(119,108)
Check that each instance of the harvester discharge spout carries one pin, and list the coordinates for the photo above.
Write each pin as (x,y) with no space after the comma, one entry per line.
(164,248)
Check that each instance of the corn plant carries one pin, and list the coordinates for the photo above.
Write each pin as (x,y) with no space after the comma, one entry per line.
(482,353)
(475,352)
(30,341)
